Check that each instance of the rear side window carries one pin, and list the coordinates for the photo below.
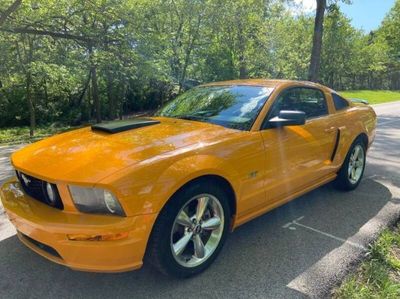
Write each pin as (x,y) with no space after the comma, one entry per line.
(309,100)
(339,102)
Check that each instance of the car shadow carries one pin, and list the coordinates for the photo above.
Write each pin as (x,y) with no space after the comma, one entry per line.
(259,259)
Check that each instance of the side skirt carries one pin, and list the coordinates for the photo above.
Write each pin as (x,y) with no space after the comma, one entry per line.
(264,209)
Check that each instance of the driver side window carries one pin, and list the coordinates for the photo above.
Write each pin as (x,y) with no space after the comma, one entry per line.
(309,100)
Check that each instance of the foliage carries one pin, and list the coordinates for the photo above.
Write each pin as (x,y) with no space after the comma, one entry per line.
(70,62)
(389,32)
(21,134)
(378,277)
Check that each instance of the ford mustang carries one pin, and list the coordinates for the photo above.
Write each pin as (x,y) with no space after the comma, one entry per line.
(168,189)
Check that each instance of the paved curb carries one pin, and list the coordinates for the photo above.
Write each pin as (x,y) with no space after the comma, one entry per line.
(320,279)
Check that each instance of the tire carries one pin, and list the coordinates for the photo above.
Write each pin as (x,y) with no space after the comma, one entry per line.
(352,170)
(167,251)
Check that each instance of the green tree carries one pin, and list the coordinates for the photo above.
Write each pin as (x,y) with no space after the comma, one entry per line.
(70,62)
(389,31)
(315,61)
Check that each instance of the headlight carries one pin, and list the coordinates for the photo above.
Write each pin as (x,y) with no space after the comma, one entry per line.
(95,200)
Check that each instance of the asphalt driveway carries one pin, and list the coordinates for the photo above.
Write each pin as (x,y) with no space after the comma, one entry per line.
(299,250)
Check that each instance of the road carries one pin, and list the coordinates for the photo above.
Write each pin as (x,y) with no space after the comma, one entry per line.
(299,250)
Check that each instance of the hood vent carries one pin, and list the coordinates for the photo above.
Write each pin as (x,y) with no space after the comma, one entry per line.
(124,125)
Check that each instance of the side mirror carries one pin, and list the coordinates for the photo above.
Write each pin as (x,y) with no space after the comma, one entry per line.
(288,118)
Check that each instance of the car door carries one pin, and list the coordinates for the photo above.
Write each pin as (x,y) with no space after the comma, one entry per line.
(298,156)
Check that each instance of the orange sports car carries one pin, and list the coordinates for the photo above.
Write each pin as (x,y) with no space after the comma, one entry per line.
(167,189)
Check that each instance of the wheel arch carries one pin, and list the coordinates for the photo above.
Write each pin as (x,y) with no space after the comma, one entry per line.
(210,178)
(361,136)
(191,170)
(364,138)
(217,179)
(342,180)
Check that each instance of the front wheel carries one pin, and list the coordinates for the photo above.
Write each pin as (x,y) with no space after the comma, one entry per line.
(352,170)
(190,230)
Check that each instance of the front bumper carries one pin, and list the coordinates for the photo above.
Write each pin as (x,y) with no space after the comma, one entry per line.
(45,230)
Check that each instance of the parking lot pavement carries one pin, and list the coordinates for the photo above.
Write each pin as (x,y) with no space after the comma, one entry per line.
(299,250)
(6,229)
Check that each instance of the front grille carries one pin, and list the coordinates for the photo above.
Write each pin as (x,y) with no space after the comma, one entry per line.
(44,247)
(36,189)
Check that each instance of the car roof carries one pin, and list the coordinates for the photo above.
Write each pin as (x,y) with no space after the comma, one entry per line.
(266,82)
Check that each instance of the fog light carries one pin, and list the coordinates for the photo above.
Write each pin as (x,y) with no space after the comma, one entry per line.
(107,237)
(51,195)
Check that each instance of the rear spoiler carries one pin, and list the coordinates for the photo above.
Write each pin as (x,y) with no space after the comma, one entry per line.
(360,101)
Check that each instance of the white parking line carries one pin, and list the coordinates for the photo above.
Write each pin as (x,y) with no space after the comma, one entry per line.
(290,226)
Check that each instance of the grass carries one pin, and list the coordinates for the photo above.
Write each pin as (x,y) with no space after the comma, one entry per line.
(379,275)
(21,134)
(373,96)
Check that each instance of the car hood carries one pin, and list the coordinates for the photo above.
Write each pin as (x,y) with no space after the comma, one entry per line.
(86,156)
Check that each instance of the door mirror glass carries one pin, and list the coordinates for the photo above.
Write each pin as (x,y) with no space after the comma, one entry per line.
(288,118)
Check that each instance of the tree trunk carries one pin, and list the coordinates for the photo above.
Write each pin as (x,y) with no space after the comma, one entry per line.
(241,49)
(109,79)
(188,52)
(32,115)
(29,91)
(95,88)
(111,98)
(242,68)
(13,7)
(95,93)
(89,98)
(85,89)
(46,94)
(182,77)
(317,41)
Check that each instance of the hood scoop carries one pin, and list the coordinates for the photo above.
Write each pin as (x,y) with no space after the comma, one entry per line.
(124,125)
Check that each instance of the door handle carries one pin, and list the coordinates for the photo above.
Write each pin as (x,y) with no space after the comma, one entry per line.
(331,130)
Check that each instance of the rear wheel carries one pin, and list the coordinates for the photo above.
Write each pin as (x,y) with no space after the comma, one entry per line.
(190,231)
(352,170)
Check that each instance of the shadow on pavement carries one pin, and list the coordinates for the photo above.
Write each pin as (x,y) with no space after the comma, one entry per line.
(259,259)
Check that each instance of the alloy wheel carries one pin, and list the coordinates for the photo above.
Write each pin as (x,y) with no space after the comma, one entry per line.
(356,164)
(197,230)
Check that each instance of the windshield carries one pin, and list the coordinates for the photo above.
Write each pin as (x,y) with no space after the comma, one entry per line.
(234,107)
